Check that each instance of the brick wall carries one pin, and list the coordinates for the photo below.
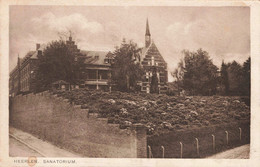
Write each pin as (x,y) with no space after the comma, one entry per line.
(53,119)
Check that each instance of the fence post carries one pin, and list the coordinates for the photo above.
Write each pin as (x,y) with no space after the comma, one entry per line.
(150,152)
(197,142)
(240,133)
(213,142)
(227,136)
(162,151)
(181,148)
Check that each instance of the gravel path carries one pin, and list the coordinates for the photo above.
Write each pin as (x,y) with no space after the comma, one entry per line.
(34,145)
(241,152)
(18,149)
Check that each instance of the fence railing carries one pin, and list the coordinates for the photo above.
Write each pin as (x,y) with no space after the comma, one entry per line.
(164,150)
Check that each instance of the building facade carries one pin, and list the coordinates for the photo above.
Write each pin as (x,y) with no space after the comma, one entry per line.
(154,66)
(96,69)
(95,73)
(20,78)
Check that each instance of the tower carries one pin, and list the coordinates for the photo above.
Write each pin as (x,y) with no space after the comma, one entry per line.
(156,75)
(147,35)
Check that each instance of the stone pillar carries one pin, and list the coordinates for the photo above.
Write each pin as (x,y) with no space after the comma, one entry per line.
(141,141)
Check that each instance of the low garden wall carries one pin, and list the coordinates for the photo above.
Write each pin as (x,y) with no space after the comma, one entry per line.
(55,120)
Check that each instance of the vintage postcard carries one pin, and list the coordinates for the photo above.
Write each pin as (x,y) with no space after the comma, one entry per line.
(130,83)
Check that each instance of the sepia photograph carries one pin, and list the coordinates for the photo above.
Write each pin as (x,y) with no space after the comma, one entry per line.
(137,83)
(129,82)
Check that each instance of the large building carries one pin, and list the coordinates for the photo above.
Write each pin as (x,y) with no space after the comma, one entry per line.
(96,70)
(21,76)
(154,64)
(94,74)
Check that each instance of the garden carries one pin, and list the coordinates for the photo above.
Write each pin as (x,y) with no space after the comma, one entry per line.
(160,113)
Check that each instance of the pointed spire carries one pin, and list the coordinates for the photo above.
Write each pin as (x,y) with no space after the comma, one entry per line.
(70,37)
(223,63)
(147,33)
(18,60)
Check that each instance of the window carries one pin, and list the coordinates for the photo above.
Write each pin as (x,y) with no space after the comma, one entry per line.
(147,75)
(152,61)
(39,52)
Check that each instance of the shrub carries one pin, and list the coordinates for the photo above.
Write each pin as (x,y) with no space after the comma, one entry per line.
(182,112)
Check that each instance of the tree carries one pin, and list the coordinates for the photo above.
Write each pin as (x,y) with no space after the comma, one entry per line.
(178,74)
(224,78)
(56,63)
(200,73)
(234,71)
(236,78)
(246,70)
(126,69)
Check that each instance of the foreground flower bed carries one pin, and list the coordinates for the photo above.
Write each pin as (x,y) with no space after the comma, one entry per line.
(160,113)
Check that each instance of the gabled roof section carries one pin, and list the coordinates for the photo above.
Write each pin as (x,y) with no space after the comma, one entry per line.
(110,55)
(94,57)
(153,48)
(144,51)
(42,47)
(152,51)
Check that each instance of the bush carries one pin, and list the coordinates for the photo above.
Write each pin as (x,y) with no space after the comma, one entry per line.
(180,112)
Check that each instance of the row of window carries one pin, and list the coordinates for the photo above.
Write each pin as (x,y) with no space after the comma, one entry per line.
(153,63)
(25,71)
(109,61)
(25,84)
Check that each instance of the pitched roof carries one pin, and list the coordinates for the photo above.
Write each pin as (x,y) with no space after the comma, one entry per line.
(151,48)
(110,55)
(94,57)
(144,50)
(42,47)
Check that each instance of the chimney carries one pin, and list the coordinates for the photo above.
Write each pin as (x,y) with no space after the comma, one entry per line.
(38,46)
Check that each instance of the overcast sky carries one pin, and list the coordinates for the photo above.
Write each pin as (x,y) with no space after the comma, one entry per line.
(222,31)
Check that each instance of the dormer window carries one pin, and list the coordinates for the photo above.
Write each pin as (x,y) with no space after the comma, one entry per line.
(39,52)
